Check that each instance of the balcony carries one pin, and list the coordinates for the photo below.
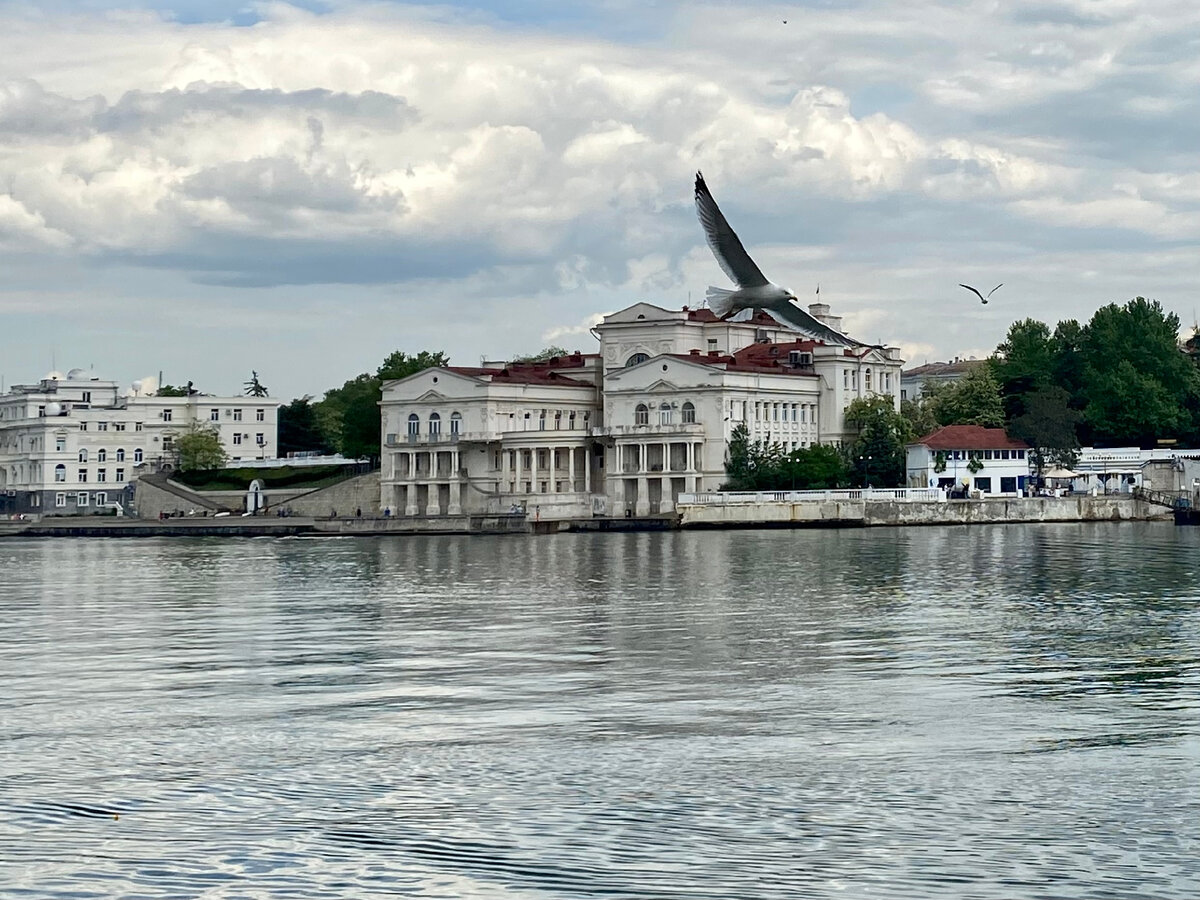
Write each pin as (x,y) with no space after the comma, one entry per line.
(694,429)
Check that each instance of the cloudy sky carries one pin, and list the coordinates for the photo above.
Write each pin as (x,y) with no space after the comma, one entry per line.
(207,187)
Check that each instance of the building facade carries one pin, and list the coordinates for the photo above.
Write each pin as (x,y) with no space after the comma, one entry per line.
(983,460)
(913,381)
(70,444)
(625,431)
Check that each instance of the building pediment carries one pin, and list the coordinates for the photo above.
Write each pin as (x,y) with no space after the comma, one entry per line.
(640,312)
(432,396)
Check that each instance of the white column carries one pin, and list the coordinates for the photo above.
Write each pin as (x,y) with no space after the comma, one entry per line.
(455,498)
(691,457)
(410,503)
(587,469)
(550,480)
(517,467)
(642,506)
(571,468)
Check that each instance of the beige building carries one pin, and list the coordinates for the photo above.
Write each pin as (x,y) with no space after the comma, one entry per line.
(624,432)
(69,444)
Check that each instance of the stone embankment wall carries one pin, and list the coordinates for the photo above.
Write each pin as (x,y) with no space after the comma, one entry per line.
(156,494)
(889,512)
(344,498)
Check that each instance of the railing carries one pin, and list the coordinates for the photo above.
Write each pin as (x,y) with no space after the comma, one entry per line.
(724,498)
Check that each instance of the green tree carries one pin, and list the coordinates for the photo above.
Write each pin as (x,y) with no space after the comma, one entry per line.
(170,390)
(1023,363)
(401,365)
(1137,385)
(876,458)
(299,430)
(200,448)
(541,355)
(918,417)
(1048,427)
(254,387)
(814,468)
(751,465)
(972,400)
(349,416)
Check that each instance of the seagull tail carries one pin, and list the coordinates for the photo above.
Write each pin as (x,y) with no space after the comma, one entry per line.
(720,301)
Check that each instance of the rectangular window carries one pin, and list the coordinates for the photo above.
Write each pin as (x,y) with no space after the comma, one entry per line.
(987,454)
(83,475)
(166,415)
(1008,485)
(237,438)
(137,426)
(60,444)
(214,415)
(119,475)
(102,426)
(1020,454)
(41,412)
(101,498)
(87,396)
(81,499)
(260,415)
(846,379)
(83,426)
(60,500)
(168,444)
(983,484)
(237,415)
(260,439)
(119,426)
(102,474)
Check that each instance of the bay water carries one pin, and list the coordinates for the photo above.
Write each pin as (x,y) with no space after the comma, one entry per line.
(971,712)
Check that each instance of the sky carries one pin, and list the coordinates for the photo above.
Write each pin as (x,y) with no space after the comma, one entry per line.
(206,188)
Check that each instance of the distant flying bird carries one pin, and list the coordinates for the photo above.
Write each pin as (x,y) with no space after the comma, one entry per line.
(979,295)
(754,291)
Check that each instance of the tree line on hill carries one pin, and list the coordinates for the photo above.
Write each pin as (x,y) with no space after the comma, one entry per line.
(1121,379)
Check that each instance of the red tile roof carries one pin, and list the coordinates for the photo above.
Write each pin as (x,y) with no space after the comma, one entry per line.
(970,437)
(547,372)
(762,358)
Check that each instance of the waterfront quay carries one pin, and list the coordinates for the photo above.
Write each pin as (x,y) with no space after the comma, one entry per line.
(769,509)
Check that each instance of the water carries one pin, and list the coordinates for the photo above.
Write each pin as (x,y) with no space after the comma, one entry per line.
(985,712)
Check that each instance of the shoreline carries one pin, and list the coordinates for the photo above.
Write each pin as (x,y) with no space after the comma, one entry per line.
(710,516)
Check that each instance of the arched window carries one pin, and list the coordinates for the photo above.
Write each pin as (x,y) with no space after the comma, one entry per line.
(867,379)
(101,455)
(689,413)
(137,455)
(120,454)
(641,415)
(83,455)
(60,472)
(636,358)
(542,421)
(435,424)
(664,413)
(414,425)
(455,423)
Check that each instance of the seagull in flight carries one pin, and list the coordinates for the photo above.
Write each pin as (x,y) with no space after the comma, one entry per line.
(754,291)
(979,295)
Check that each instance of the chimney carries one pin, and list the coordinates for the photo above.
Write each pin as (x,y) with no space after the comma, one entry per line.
(820,312)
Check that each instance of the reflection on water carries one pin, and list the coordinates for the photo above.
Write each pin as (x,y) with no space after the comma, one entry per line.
(983,712)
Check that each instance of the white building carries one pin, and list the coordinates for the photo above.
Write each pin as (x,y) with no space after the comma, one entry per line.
(913,381)
(625,431)
(985,460)
(70,444)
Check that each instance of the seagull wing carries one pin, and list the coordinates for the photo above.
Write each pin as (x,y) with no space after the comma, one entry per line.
(724,242)
(975,292)
(802,321)
(996,288)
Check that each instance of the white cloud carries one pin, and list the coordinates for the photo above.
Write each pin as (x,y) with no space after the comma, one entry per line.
(886,152)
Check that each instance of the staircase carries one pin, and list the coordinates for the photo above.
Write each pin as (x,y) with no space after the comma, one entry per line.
(1169,499)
